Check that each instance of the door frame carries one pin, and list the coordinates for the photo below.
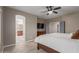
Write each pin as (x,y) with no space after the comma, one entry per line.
(24,32)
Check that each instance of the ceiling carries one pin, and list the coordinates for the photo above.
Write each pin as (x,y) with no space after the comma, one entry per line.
(36,10)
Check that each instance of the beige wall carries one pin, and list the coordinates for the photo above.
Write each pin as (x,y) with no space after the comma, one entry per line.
(1,47)
(53,27)
(31,27)
(0,30)
(40,20)
(71,21)
(9,25)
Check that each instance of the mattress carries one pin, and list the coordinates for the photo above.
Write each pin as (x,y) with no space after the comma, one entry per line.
(60,42)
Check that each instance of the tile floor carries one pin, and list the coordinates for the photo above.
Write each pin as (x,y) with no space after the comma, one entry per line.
(24,47)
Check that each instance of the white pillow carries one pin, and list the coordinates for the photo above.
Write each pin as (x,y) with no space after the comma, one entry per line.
(71,34)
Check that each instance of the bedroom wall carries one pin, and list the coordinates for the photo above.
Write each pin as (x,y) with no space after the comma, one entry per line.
(1,37)
(71,21)
(9,25)
(53,27)
(0,30)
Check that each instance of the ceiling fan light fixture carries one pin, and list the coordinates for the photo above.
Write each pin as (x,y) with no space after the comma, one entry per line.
(51,9)
(49,12)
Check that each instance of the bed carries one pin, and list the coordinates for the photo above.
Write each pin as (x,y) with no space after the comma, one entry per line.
(58,43)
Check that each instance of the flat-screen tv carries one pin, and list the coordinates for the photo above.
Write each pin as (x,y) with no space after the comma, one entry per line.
(40,25)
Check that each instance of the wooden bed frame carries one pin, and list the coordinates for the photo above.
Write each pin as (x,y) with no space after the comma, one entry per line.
(47,49)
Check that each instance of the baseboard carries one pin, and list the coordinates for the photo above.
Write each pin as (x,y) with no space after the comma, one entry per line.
(9,45)
(29,40)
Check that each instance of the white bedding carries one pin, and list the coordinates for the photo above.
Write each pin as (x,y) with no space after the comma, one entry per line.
(60,42)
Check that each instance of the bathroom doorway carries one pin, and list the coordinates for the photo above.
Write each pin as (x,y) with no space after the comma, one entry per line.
(20,29)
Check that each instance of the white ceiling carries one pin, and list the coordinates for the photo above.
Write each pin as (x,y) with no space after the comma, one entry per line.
(36,10)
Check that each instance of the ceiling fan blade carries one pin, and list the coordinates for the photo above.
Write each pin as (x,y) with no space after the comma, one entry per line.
(57,8)
(49,8)
(47,14)
(55,12)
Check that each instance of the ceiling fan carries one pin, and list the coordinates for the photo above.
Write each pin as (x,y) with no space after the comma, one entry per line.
(51,9)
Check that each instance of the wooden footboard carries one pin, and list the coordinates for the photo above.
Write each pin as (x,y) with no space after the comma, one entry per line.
(47,49)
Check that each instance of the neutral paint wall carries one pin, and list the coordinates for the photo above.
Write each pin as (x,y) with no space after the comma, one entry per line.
(47,27)
(71,21)
(0,30)
(31,27)
(40,20)
(53,27)
(1,47)
(9,25)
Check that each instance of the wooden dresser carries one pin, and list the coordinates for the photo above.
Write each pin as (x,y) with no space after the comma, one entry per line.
(41,28)
(40,33)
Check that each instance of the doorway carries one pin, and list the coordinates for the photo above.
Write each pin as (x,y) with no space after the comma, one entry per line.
(20,29)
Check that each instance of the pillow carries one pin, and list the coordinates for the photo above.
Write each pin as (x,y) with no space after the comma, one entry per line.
(75,35)
(70,34)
